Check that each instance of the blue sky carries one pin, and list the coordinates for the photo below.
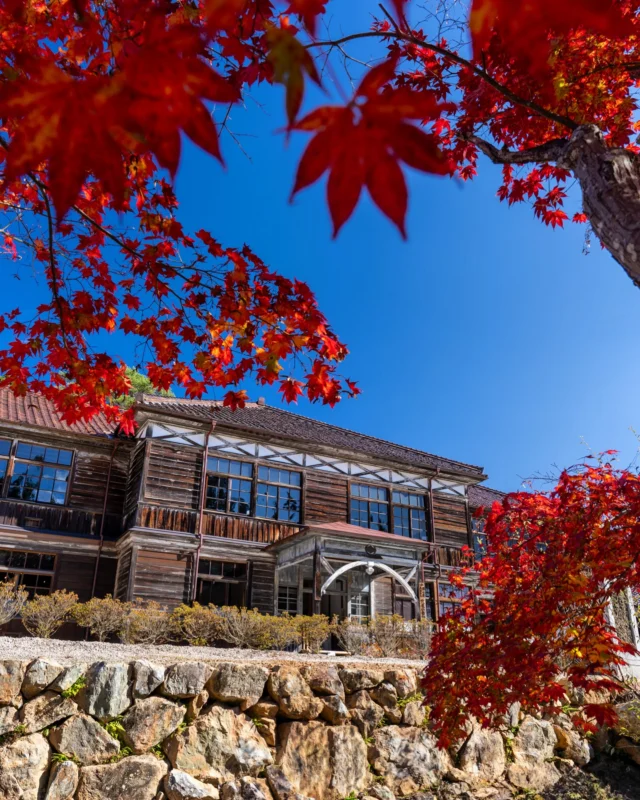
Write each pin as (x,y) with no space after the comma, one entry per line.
(485,337)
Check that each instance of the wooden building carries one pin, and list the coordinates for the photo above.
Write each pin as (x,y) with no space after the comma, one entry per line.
(259,507)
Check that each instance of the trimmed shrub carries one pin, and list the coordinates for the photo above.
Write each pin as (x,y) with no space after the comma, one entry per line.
(46,613)
(282,632)
(354,637)
(146,622)
(12,599)
(243,627)
(197,625)
(314,631)
(103,616)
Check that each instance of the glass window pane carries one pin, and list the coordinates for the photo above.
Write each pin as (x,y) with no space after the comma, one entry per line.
(5,447)
(32,561)
(37,452)
(65,457)
(47,562)
(51,455)
(247,470)
(44,496)
(5,556)
(23,450)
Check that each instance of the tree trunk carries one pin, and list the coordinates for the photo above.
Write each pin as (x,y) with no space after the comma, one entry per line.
(610,183)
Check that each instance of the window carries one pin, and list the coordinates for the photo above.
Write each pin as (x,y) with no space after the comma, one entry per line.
(479,538)
(32,571)
(359,606)
(5,450)
(370,507)
(221,583)
(430,601)
(229,485)
(278,495)
(449,597)
(288,600)
(40,474)
(409,516)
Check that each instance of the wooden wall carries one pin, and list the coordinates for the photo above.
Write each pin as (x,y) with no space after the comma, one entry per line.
(326,498)
(173,474)
(134,484)
(261,583)
(163,577)
(121,590)
(450,521)
(383,595)
(75,573)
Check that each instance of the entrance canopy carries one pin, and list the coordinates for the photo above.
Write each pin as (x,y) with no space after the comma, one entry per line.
(343,569)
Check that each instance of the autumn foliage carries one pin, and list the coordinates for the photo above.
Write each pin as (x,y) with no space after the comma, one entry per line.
(535,623)
(95,98)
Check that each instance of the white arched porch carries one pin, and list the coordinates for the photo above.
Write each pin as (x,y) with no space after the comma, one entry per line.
(369,565)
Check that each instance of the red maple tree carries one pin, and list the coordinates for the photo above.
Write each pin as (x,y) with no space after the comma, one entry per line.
(535,623)
(94,100)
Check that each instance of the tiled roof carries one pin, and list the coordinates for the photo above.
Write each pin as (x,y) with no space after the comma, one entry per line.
(484,496)
(345,529)
(34,409)
(269,420)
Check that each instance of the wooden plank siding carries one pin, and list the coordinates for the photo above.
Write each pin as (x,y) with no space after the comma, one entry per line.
(121,588)
(246,529)
(50,518)
(450,521)
(261,586)
(163,577)
(134,484)
(383,595)
(326,497)
(173,475)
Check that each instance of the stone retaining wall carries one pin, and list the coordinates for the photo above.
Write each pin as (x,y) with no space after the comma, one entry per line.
(142,731)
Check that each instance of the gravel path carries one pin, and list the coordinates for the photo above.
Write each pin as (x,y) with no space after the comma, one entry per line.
(64,652)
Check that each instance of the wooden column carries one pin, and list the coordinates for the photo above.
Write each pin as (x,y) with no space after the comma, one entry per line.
(317,579)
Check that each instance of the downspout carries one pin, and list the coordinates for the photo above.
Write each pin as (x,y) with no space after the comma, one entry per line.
(199,532)
(104,514)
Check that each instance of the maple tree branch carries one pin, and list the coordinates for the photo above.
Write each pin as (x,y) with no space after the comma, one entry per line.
(553,150)
(55,287)
(566,122)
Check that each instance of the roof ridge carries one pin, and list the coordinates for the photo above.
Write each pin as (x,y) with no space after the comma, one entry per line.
(214,404)
(375,438)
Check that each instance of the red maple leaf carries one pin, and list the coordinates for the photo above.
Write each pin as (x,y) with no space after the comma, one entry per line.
(361,144)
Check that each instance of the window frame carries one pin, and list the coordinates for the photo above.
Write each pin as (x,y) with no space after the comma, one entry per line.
(279,485)
(479,539)
(255,464)
(13,458)
(291,591)
(202,578)
(390,489)
(20,571)
(420,508)
(240,477)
